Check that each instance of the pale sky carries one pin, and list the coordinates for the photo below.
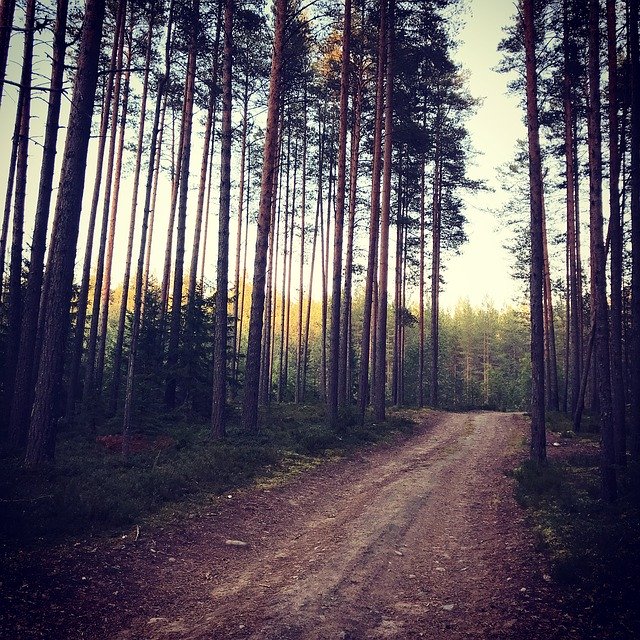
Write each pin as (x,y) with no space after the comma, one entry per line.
(481,272)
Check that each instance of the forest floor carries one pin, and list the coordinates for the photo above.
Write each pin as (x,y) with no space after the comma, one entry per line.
(419,538)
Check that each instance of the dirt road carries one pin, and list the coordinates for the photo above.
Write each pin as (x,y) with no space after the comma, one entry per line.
(420,539)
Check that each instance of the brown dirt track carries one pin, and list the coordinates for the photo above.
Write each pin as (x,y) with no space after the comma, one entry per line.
(418,539)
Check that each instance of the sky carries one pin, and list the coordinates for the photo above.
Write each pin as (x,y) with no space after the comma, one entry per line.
(481,271)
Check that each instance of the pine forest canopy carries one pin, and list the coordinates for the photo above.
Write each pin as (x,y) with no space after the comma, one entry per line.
(217,204)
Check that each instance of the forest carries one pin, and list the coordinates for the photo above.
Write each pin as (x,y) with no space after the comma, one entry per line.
(322,185)
(226,230)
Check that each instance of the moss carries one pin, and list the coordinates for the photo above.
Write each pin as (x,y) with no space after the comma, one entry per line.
(90,489)
(594,548)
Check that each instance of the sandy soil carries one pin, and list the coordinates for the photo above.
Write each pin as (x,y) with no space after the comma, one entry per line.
(419,539)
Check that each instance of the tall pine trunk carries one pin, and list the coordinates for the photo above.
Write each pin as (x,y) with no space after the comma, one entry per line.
(141,272)
(89,391)
(83,296)
(379,391)
(220,345)
(634,422)
(615,231)
(374,224)
(344,380)
(598,259)
(24,382)
(574,371)
(178,274)
(105,296)
(303,210)
(252,375)
(436,229)
(59,275)
(7,10)
(14,312)
(538,439)
(336,289)
(124,299)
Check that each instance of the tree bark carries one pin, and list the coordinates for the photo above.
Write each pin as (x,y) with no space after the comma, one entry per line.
(550,331)
(141,270)
(634,421)
(236,286)
(344,380)
(106,283)
(436,231)
(252,375)
(374,222)
(23,389)
(303,210)
(14,312)
(206,161)
(574,373)
(379,395)
(538,440)
(124,299)
(7,10)
(83,296)
(336,289)
(598,260)
(59,276)
(615,231)
(89,391)
(220,346)
(176,299)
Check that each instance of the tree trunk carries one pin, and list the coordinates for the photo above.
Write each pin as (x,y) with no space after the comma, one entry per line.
(59,275)
(141,270)
(336,289)
(11,178)
(379,394)
(106,283)
(124,299)
(252,375)
(421,274)
(154,193)
(319,217)
(7,9)
(574,373)
(538,439)
(634,421)
(285,248)
(220,346)
(236,286)
(83,296)
(365,345)
(206,161)
(23,389)
(89,390)
(615,231)
(436,229)
(598,259)
(176,299)
(303,208)
(550,332)
(344,380)
(14,312)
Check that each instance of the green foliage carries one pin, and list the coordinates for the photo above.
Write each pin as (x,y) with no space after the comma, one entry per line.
(92,489)
(594,547)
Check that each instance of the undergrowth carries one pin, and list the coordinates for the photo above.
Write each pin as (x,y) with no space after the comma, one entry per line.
(89,489)
(594,547)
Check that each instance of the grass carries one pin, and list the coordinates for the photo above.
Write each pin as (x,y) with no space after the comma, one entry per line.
(594,547)
(90,490)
